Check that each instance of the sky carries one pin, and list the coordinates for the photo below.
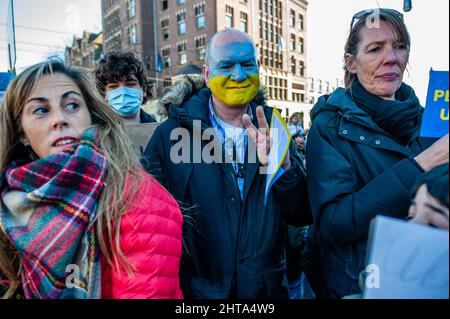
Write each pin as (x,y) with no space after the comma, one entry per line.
(327,26)
(59,19)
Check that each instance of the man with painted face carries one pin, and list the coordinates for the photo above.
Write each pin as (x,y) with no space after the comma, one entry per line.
(122,81)
(233,243)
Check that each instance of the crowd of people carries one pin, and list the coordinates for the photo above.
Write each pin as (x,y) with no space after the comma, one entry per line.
(83,216)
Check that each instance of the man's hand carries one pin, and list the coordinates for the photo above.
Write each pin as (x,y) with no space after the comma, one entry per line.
(261,137)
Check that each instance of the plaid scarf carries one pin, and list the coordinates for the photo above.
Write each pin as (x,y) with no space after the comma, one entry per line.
(47,211)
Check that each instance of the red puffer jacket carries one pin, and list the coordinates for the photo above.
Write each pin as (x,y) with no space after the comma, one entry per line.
(150,238)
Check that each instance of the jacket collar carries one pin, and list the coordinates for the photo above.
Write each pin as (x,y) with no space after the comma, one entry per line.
(146,118)
(339,101)
(342,102)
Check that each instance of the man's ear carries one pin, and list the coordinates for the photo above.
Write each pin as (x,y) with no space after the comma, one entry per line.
(205,72)
(350,63)
(144,94)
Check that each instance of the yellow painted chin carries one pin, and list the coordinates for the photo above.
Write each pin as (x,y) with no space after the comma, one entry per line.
(234,93)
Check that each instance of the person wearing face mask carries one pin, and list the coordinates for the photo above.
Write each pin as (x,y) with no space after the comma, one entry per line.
(121,79)
(234,243)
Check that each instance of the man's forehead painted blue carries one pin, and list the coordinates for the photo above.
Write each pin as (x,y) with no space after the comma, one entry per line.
(232,53)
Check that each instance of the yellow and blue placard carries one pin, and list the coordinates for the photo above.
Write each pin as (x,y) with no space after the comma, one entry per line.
(281,139)
(435,118)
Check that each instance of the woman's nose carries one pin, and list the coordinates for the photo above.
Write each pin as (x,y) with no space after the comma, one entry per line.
(59,119)
(391,55)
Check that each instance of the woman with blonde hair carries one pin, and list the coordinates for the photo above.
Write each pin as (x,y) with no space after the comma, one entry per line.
(364,151)
(79,218)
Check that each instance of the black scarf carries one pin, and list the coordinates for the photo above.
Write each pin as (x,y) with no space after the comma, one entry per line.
(400,118)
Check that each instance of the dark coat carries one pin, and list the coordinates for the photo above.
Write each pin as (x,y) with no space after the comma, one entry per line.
(226,239)
(146,118)
(356,170)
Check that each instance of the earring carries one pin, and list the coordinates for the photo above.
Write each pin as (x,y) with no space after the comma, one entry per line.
(24,142)
(32,156)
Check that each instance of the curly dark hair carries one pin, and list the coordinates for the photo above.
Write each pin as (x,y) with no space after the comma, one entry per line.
(116,66)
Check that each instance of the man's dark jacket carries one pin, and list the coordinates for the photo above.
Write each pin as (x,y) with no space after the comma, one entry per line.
(224,238)
(146,118)
(356,171)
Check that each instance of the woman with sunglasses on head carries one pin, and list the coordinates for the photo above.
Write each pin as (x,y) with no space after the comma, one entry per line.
(79,218)
(364,152)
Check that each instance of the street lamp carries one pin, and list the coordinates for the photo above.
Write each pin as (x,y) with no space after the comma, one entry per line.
(407,5)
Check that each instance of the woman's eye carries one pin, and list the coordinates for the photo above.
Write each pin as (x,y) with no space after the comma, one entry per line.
(40,110)
(374,50)
(400,47)
(72,106)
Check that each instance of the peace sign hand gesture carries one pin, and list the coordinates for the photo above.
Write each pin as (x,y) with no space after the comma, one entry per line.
(261,137)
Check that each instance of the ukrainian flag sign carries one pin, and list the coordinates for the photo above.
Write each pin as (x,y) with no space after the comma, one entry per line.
(435,119)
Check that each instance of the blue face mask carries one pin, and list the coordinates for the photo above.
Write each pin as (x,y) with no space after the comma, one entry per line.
(125,101)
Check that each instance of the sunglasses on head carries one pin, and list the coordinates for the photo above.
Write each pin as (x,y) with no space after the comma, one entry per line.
(364,14)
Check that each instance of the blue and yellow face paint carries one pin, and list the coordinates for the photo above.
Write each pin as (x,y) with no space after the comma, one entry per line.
(234,73)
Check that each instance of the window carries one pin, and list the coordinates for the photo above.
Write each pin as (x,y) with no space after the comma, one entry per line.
(266,31)
(261,30)
(271,33)
(301,22)
(167,81)
(293,66)
(292,18)
(200,16)
(200,44)
(181,19)
(164,5)
(165,29)
(244,22)
(181,2)
(292,43)
(132,35)
(166,57)
(229,17)
(131,8)
(302,68)
(311,84)
(182,54)
(301,45)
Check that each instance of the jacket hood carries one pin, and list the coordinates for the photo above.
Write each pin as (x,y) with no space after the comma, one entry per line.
(178,94)
(339,101)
